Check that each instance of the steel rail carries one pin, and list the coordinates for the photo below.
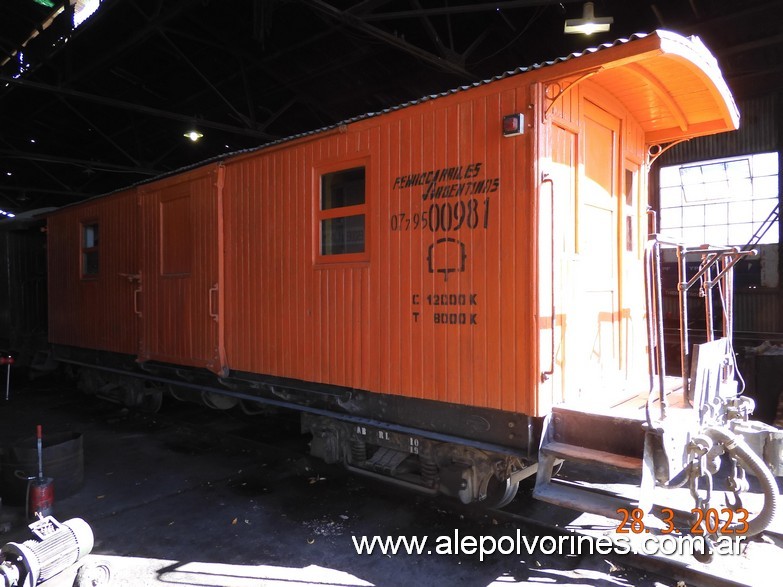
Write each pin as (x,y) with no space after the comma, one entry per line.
(668,568)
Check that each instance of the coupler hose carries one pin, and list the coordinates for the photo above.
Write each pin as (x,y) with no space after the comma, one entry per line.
(750,461)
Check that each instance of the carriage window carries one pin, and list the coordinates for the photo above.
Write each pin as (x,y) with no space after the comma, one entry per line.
(342,213)
(90,242)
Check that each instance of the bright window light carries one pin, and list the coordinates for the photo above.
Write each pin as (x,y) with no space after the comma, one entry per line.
(721,201)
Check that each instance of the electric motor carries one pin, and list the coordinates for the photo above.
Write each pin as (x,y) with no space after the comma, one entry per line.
(57,547)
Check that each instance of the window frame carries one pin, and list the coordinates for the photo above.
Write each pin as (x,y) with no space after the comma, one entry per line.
(320,215)
(84,250)
(632,211)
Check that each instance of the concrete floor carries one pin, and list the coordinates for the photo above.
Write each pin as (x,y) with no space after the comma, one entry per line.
(168,506)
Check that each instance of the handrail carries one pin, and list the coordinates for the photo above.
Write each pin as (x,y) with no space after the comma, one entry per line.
(655,332)
(545,375)
(717,260)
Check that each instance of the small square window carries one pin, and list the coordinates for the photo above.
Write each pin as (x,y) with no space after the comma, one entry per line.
(342,215)
(342,188)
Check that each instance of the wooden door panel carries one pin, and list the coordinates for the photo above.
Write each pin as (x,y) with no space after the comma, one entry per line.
(180,274)
(597,283)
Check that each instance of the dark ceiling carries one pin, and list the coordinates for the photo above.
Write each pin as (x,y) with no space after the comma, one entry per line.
(90,110)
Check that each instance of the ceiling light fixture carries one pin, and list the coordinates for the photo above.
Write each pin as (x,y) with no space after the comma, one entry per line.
(193,135)
(589,23)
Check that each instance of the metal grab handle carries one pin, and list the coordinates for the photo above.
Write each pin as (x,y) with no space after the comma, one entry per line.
(545,375)
(136,293)
(131,277)
(212,313)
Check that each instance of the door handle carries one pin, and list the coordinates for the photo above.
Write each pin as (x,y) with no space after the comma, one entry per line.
(136,293)
(212,312)
(131,277)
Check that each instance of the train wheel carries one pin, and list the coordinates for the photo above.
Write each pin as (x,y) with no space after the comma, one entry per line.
(139,395)
(500,493)
(217,401)
(181,394)
(151,402)
(90,381)
(253,408)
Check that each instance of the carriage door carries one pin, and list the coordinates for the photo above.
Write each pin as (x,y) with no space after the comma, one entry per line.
(596,301)
(180,255)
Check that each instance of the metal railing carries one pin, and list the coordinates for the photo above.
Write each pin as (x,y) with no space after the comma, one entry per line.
(714,274)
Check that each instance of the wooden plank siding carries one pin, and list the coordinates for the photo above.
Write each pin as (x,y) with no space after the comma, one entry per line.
(96,311)
(354,324)
(450,298)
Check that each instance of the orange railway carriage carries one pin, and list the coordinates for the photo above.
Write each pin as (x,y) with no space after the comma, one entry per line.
(424,283)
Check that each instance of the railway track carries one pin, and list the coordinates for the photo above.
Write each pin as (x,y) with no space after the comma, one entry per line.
(682,571)
(742,570)
(239,432)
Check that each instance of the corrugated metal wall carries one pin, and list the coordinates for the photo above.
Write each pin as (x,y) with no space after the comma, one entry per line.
(23,291)
(758,314)
(758,133)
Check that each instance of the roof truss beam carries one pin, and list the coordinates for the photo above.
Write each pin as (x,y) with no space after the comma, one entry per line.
(97,129)
(465,9)
(17,154)
(120,104)
(244,118)
(359,24)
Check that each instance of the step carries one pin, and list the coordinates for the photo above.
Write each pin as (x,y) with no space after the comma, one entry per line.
(572,452)
(606,432)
